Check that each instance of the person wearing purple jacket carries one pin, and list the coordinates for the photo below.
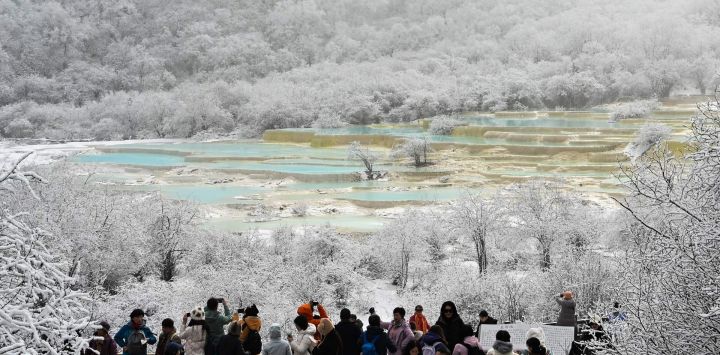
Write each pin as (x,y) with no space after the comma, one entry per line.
(399,331)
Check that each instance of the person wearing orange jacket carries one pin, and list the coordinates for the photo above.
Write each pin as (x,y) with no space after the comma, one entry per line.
(419,319)
(307,310)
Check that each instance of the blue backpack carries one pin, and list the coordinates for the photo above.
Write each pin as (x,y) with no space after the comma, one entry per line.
(368,347)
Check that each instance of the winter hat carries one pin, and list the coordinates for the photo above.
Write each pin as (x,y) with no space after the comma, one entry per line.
(173,348)
(483,313)
(197,314)
(325,326)
(344,314)
(538,333)
(137,313)
(252,311)
(275,331)
(105,325)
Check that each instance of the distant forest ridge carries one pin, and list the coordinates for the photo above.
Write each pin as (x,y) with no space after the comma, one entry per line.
(101,69)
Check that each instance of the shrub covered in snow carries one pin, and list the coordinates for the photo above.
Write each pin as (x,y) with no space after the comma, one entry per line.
(647,136)
(635,109)
(444,125)
(41,311)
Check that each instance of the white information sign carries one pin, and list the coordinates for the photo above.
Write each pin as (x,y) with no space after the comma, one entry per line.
(557,339)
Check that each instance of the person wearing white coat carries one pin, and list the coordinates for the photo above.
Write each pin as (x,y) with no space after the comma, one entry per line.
(194,333)
(305,341)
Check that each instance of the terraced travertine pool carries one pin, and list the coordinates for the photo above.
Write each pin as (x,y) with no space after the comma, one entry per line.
(298,177)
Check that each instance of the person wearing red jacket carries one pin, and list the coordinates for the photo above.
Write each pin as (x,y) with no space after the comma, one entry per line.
(419,319)
(307,310)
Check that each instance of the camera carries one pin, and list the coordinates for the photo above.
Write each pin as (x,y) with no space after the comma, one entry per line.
(240,311)
(187,314)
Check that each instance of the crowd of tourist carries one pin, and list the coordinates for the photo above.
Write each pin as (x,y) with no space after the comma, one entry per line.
(203,331)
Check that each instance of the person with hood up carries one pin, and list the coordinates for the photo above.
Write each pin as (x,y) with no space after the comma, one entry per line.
(349,333)
(566,318)
(451,324)
(375,335)
(502,345)
(435,338)
(229,344)
(250,335)
(330,343)
(399,330)
(308,311)
(419,319)
(106,346)
(468,343)
(305,342)
(195,333)
(216,321)
(276,346)
(539,334)
(134,336)
(168,334)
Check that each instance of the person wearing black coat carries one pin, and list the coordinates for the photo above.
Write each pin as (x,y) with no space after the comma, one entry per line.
(375,331)
(451,324)
(349,333)
(229,344)
(484,319)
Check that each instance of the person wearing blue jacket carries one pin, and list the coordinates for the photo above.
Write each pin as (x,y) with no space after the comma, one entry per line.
(135,336)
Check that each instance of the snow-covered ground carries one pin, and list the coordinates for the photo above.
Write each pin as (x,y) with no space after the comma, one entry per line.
(384,298)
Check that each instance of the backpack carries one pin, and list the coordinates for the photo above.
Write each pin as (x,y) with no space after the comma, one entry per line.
(472,350)
(428,349)
(253,342)
(368,347)
(136,343)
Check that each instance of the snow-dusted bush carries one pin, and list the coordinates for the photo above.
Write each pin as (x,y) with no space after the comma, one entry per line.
(329,120)
(444,125)
(647,136)
(635,109)
(42,311)
(416,149)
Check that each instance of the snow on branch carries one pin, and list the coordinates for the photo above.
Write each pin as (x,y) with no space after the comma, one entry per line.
(40,312)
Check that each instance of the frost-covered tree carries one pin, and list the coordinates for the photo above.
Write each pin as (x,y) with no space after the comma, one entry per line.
(444,125)
(357,152)
(477,218)
(670,284)
(416,149)
(41,311)
(541,210)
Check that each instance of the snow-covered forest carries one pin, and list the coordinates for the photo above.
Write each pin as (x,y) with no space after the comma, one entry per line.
(74,252)
(157,68)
